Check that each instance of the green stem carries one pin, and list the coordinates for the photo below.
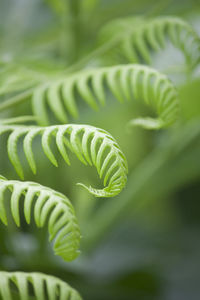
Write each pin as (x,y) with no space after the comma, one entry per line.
(21,119)
(116,208)
(71,30)
(15,100)
(162,172)
(75,28)
(93,55)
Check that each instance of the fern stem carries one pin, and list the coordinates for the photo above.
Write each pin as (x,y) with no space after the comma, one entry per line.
(117,208)
(75,28)
(15,100)
(161,173)
(21,119)
(88,58)
(71,28)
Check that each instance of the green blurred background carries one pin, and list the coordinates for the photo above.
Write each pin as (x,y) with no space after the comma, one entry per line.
(144,243)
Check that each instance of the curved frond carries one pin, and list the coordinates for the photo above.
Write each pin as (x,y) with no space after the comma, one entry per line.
(48,206)
(91,145)
(123,81)
(37,285)
(136,37)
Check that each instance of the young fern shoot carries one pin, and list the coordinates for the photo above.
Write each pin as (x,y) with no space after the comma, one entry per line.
(56,92)
(91,145)
(47,205)
(132,39)
(136,37)
(41,285)
(123,81)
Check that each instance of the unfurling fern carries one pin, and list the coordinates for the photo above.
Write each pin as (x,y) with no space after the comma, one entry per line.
(47,204)
(131,38)
(57,92)
(35,286)
(90,144)
(124,82)
(135,37)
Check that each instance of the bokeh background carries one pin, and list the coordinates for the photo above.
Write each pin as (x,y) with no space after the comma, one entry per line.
(143,244)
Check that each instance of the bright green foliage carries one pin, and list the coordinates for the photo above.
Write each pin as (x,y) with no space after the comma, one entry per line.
(124,82)
(46,204)
(55,73)
(132,39)
(137,36)
(41,285)
(91,145)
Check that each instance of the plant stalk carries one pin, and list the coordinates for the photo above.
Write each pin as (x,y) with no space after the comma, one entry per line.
(71,30)
(161,173)
(15,100)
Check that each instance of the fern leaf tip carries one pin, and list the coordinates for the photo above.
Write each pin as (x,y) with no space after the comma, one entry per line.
(147,123)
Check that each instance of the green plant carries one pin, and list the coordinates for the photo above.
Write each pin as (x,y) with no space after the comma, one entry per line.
(142,34)
(91,145)
(40,283)
(47,204)
(58,94)
(124,82)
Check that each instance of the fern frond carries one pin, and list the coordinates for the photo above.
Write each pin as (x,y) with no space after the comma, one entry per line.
(123,81)
(37,285)
(48,205)
(137,36)
(90,144)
